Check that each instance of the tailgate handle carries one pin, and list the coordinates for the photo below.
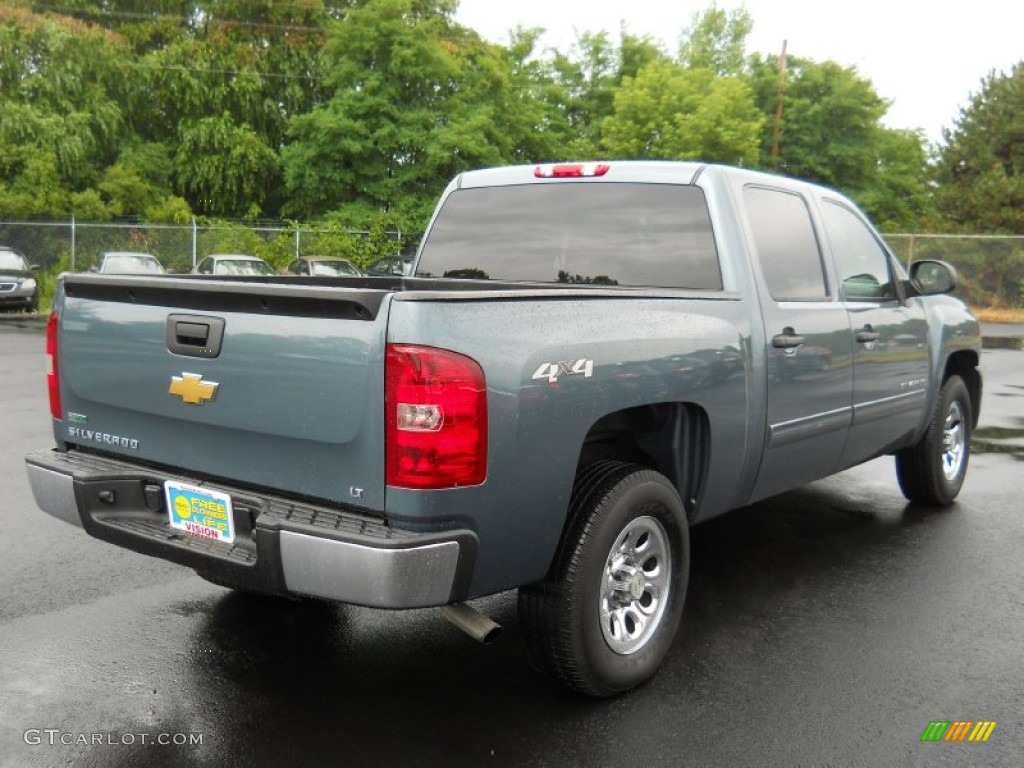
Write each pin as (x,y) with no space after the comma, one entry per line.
(195,335)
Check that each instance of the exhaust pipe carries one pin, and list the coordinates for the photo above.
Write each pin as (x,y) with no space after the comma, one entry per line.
(472,622)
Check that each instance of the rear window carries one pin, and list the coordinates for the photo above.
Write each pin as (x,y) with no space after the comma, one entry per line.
(242,267)
(12,260)
(131,263)
(656,235)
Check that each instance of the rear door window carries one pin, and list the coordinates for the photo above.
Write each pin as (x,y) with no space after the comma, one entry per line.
(787,247)
(656,235)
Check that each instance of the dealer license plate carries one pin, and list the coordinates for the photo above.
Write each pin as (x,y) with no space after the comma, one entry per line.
(199,511)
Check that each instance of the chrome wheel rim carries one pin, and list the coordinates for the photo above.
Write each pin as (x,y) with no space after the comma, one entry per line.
(954,441)
(635,585)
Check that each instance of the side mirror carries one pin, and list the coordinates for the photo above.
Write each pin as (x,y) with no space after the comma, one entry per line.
(94,268)
(931,276)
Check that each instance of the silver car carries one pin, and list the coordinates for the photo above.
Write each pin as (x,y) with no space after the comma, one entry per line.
(129,263)
(232,264)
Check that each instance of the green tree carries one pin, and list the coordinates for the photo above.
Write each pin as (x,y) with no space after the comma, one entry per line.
(537,100)
(980,164)
(207,69)
(585,81)
(898,196)
(676,113)
(716,40)
(67,141)
(830,120)
(415,98)
(225,168)
(62,84)
(832,133)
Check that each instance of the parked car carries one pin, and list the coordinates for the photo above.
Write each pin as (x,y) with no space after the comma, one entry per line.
(18,288)
(323,266)
(129,263)
(232,264)
(391,265)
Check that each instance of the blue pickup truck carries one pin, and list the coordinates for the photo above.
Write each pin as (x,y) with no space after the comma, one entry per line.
(587,360)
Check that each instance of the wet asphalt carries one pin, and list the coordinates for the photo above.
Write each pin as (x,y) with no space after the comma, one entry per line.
(827,626)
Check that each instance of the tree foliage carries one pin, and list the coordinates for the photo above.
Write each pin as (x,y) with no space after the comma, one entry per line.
(413,99)
(717,40)
(62,88)
(359,111)
(832,133)
(980,168)
(676,113)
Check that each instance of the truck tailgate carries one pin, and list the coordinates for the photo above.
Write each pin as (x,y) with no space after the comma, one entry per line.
(264,383)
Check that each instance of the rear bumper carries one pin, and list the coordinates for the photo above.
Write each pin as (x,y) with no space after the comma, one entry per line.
(281,546)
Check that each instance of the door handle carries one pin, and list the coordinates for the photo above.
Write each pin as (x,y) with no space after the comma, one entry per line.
(195,335)
(866,334)
(788,339)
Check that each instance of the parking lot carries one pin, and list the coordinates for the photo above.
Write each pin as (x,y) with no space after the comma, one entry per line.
(826,626)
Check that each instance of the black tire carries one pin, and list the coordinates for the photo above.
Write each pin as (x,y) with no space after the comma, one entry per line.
(597,639)
(933,471)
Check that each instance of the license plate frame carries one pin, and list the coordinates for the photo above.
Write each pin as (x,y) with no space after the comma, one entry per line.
(200,512)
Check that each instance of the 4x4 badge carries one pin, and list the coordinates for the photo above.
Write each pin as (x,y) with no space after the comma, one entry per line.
(191,388)
(551,371)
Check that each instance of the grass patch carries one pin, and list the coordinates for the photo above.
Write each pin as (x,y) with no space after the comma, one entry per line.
(999,314)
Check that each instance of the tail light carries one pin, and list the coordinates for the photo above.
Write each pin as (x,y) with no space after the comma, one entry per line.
(436,421)
(52,372)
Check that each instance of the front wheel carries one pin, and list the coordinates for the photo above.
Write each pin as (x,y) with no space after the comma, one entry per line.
(933,471)
(605,617)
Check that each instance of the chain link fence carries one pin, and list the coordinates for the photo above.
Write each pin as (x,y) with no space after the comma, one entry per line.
(78,246)
(990,267)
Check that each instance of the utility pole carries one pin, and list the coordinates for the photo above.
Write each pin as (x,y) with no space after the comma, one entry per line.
(779,91)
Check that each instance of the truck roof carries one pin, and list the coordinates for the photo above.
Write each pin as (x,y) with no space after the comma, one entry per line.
(634,171)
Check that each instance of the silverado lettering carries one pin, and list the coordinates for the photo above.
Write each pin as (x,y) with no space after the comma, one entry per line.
(102,437)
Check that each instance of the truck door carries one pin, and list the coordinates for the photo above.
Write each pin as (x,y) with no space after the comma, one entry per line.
(890,339)
(808,340)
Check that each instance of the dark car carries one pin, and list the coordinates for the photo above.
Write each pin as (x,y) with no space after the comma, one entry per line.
(18,288)
(129,263)
(323,266)
(391,265)
(232,264)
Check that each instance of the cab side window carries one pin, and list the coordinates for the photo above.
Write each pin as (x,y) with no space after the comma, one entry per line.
(862,262)
(787,247)
(205,267)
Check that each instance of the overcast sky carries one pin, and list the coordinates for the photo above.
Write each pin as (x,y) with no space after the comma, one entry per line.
(924,57)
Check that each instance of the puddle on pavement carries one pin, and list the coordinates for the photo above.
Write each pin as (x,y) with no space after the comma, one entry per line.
(998,440)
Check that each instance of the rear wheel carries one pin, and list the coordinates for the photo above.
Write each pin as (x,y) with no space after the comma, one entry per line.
(605,617)
(933,471)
